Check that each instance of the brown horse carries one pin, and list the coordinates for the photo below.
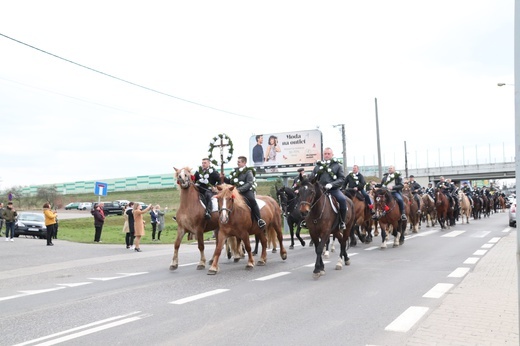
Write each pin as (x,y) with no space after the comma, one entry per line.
(190,217)
(389,216)
(362,217)
(319,209)
(428,210)
(477,206)
(465,206)
(235,220)
(502,204)
(442,206)
(414,216)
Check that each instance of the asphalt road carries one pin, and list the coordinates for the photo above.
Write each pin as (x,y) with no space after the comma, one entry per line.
(84,294)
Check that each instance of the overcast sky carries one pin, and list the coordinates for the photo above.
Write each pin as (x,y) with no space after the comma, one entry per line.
(249,67)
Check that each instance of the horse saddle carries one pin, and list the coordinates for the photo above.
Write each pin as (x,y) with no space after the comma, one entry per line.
(333,202)
(214,204)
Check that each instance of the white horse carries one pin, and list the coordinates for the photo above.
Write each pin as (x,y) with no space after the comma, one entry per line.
(465,206)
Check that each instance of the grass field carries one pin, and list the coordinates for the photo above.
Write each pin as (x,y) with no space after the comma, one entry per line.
(82,230)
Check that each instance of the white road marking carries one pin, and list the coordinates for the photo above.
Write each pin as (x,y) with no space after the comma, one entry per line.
(188,264)
(479,234)
(78,328)
(424,234)
(453,234)
(407,319)
(272,276)
(480,252)
(199,296)
(312,265)
(438,291)
(507,230)
(494,240)
(471,260)
(459,272)
(75,284)
(31,292)
(487,246)
(123,275)
(371,248)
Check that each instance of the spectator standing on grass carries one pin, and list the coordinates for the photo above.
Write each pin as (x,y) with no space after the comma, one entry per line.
(99,220)
(139,224)
(154,219)
(9,214)
(50,222)
(130,233)
(1,218)
(160,223)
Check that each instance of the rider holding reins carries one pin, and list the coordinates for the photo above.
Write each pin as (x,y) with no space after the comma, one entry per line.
(393,181)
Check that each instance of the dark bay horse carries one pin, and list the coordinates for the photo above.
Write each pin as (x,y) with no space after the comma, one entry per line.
(190,217)
(477,206)
(290,201)
(389,216)
(318,207)
(362,218)
(235,220)
(442,206)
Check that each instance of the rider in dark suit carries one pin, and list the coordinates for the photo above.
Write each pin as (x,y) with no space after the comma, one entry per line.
(330,175)
(205,179)
(394,182)
(245,182)
(447,189)
(356,181)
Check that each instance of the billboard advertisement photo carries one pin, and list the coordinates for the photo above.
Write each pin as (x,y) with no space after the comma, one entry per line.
(283,151)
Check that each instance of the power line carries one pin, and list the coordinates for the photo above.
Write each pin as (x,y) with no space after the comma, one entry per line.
(124,80)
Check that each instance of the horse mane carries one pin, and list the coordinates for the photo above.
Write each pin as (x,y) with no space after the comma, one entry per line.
(229,191)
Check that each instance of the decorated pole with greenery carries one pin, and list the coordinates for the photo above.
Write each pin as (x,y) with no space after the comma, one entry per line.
(221,141)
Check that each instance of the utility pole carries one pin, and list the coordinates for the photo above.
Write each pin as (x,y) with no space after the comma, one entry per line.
(405,160)
(378,145)
(344,140)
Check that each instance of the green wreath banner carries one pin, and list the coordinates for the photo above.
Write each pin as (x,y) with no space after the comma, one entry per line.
(221,141)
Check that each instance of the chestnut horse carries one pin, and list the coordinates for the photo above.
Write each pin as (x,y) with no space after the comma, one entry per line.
(190,217)
(289,201)
(389,216)
(442,206)
(502,204)
(428,210)
(362,217)
(414,218)
(465,206)
(321,214)
(235,220)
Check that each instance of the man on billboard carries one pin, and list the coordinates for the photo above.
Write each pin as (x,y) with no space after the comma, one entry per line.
(258,151)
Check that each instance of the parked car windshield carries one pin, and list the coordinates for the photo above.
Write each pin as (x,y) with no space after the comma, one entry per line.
(30,217)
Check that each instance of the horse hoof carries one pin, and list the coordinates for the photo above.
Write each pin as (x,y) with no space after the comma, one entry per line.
(229,255)
(236,260)
(326,254)
(303,243)
(339,267)
(173,267)
(274,251)
(200,267)
(396,245)
(249,267)
(283,255)
(254,253)
(415,231)
(383,246)
(291,247)
(316,276)
(347,262)
(260,263)
(401,242)
(353,243)
(322,272)
(212,272)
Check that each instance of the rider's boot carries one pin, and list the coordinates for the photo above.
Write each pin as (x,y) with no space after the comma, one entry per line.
(342,215)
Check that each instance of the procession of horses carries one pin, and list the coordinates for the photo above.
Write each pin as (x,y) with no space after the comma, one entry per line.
(313,208)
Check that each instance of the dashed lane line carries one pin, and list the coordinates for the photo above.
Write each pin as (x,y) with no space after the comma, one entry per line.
(199,296)
(438,290)
(407,319)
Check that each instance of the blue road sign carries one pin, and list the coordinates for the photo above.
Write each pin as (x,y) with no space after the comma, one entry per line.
(100,189)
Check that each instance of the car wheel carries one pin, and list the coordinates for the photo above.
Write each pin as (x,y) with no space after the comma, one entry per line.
(511,224)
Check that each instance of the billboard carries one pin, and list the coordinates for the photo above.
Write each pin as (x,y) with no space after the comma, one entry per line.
(283,151)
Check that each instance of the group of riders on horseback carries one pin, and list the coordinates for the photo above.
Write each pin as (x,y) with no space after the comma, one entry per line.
(330,174)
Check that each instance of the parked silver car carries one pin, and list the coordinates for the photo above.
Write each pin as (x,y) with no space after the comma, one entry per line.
(85,206)
(512,214)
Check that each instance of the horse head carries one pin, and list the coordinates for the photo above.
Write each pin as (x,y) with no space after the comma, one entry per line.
(184,177)
(228,198)
(307,192)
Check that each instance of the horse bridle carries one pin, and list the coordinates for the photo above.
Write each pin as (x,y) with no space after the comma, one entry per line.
(311,205)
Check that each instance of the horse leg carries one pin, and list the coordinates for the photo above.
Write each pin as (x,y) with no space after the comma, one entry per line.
(250,260)
(326,248)
(202,262)
(298,229)
(319,268)
(353,240)
(383,236)
(255,251)
(291,247)
(263,240)
(216,255)
(283,252)
(174,264)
